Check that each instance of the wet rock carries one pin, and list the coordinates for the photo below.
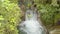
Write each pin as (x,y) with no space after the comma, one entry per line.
(55,31)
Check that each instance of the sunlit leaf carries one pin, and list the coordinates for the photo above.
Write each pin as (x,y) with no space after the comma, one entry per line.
(1,17)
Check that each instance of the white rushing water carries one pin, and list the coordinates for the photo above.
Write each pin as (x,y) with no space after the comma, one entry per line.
(31,25)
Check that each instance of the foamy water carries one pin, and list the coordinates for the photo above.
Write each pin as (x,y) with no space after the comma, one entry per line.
(31,25)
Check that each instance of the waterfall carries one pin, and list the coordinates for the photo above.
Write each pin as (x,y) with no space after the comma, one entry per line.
(31,24)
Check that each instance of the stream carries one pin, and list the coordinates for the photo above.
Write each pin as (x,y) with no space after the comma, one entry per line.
(31,24)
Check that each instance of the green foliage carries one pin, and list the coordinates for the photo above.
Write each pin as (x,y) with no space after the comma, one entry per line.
(49,12)
(40,1)
(9,17)
(14,1)
(54,3)
(10,14)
